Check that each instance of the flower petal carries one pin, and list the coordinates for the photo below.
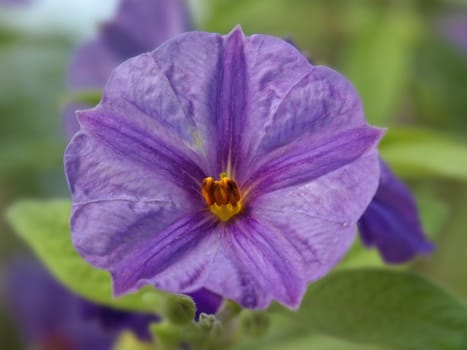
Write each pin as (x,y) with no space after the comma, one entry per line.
(391,222)
(256,265)
(246,96)
(206,301)
(306,159)
(47,314)
(141,26)
(117,205)
(69,119)
(236,98)
(319,218)
(96,172)
(141,141)
(318,103)
(271,95)
(175,258)
(188,76)
(91,66)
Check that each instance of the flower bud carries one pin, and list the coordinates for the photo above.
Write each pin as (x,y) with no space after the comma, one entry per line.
(179,310)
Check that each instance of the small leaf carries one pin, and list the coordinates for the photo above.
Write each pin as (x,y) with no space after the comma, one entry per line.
(388,308)
(43,225)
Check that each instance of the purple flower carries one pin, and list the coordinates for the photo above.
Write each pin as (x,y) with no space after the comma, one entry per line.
(228,163)
(139,26)
(453,27)
(391,221)
(114,320)
(49,316)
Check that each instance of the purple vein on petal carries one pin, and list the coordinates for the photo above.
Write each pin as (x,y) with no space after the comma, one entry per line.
(174,248)
(302,162)
(140,146)
(232,100)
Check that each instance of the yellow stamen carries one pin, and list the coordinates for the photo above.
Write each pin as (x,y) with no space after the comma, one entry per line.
(222,197)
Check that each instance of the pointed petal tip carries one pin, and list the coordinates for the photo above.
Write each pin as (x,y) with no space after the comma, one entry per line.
(237,30)
(83,114)
(379,132)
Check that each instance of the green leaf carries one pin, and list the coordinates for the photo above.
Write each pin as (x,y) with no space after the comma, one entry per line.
(377,63)
(449,259)
(43,225)
(422,153)
(387,308)
(285,335)
(321,342)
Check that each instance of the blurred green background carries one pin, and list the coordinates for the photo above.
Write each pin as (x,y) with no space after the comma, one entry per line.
(407,59)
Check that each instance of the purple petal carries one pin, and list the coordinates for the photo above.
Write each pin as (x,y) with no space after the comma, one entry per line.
(256,264)
(47,314)
(139,26)
(319,218)
(232,100)
(92,65)
(175,259)
(271,95)
(114,320)
(98,172)
(70,121)
(118,204)
(188,73)
(391,222)
(250,95)
(143,142)
(206,301)
(307,159)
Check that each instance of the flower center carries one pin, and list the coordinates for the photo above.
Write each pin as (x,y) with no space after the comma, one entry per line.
(222,197)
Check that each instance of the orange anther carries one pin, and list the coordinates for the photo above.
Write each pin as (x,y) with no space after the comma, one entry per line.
(206,190)
(220,192)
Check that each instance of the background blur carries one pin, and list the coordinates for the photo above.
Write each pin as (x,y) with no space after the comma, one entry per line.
(408,60)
